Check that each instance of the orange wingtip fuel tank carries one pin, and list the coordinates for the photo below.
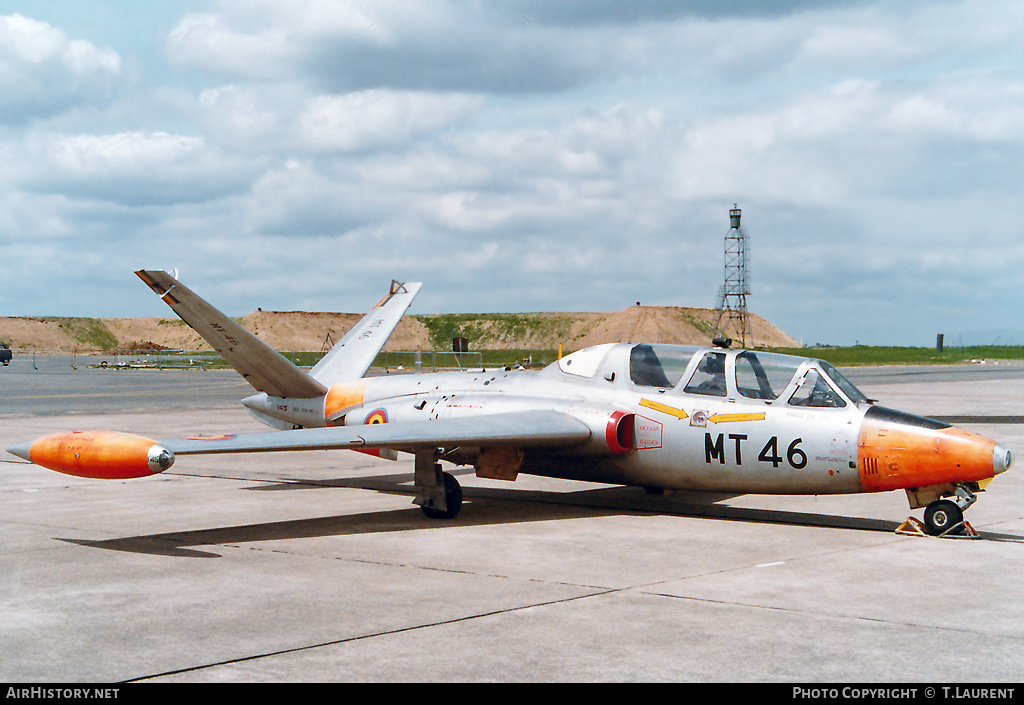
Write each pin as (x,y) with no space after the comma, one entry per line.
(900,451)
(105,455)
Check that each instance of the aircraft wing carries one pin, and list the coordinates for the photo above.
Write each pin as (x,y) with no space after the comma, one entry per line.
(114,455)
(522,429)
(261,366)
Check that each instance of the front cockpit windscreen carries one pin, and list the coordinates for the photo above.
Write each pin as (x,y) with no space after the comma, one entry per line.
(764,375)
(658,365)
(815,391)
(855,395)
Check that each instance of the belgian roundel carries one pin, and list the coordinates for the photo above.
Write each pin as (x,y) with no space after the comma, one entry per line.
(377,416)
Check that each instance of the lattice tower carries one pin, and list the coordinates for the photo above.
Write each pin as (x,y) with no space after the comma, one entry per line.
(732,296)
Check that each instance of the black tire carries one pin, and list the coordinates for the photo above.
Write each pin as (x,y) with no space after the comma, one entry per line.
(452,497)
(941,516)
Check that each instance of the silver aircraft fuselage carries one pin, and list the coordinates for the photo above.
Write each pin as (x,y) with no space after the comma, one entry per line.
(736,436)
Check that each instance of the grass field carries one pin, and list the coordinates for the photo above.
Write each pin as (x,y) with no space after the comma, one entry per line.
(839,356)
(869,355)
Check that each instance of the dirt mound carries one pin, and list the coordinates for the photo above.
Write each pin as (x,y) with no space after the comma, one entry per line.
(298,330)
(34,333)
(676,325)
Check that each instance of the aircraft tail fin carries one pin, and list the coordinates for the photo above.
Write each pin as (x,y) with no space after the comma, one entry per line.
(261,366)
(356,351)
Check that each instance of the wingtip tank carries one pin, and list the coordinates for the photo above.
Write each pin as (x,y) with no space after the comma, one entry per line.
(105,455)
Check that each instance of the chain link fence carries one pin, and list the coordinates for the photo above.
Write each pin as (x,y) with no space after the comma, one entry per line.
(995,337)
(62,361)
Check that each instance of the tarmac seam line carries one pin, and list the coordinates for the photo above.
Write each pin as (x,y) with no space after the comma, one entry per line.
(856,618)
(361,637)
(454,571)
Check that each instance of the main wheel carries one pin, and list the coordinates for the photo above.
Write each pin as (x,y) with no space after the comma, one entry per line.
(452,497)
(941,516)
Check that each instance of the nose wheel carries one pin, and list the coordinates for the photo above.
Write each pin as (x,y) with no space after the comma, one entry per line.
(945,517)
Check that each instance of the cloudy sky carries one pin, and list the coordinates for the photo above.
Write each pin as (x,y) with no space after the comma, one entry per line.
(519,155)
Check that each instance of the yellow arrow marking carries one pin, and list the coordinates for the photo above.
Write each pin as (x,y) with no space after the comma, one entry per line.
(729,418)
(670,410)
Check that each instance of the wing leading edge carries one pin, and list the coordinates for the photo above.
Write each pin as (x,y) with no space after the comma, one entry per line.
(112,455)
(524,429)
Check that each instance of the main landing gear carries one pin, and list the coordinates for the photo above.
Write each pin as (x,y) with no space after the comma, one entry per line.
(439,494)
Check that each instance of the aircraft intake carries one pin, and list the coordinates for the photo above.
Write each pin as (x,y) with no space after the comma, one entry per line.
(105,455)
(619,432)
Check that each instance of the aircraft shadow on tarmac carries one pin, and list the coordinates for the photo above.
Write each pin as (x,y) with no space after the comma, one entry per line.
(484,506)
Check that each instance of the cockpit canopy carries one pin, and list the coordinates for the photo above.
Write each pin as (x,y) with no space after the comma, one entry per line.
(728,374)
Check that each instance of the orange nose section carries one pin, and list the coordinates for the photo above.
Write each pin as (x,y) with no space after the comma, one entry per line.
(900,451)
(105,455)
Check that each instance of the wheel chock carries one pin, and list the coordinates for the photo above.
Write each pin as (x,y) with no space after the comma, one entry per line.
(914,527)
(968,532)
(911,527)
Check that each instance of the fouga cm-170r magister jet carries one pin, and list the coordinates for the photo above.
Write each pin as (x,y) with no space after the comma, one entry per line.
(655,416)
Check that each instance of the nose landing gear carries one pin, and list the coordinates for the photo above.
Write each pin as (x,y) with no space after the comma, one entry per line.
(945,517)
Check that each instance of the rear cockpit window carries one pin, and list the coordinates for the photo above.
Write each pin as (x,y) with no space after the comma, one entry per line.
(709,377)
(658,365)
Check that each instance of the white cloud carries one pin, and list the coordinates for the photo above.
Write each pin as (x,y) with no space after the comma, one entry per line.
(132,168)
(544,154)
(206,40)
(964,107)
(247,117)
(289,120)
(378,119)
(349,46)
(43,72)
(126,155)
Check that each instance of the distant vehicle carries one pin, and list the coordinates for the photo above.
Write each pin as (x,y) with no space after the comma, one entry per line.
(5,354)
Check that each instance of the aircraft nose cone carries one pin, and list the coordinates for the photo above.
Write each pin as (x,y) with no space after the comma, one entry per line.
(898,450)
(1002,458)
